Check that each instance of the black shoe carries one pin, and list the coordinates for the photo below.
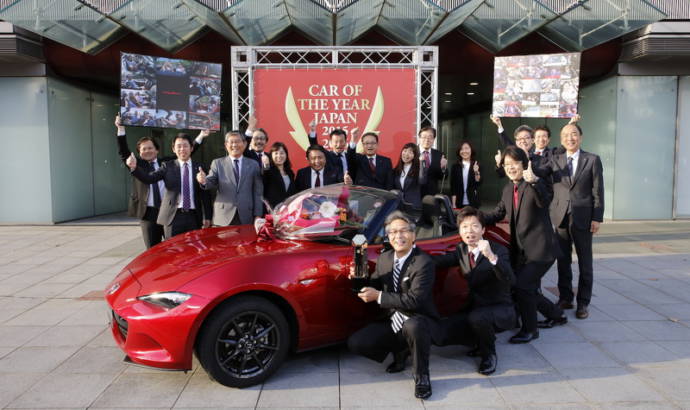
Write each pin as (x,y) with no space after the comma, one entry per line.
(524,337)
(582,312)
(549,323)
(398,364)
(488,364)
(422,386)
(564,304)
(474,352)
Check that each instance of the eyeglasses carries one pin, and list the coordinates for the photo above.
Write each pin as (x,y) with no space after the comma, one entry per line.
(403,231)
(524,139)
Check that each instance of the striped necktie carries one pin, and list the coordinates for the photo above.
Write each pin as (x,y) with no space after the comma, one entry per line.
(398,318)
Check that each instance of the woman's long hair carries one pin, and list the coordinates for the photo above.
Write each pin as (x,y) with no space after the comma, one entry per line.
(457,152)
(275,147)
(414,169)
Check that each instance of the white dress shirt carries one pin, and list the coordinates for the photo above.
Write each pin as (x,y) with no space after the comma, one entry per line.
(465,178)
(403,174)
(191,183)
(161,186)
(313,177)
(576,159)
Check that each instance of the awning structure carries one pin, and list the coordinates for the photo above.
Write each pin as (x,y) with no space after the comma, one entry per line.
(92,25)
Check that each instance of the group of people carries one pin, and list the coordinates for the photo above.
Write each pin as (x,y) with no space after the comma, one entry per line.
(553,199)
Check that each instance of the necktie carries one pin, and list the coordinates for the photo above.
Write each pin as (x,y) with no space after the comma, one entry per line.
(473,262)
(342,166)
(570,166)
(156,189)
(186,202)
(372,166)
(237,171)
(427,160)
(317,183)
(515,197)
(398,318)
(539,153)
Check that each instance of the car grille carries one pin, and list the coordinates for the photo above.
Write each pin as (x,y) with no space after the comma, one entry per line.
(121,324)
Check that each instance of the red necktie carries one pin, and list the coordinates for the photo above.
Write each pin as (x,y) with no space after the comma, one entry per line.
(427,161)
(472,261)
(372,166)
(515,197)
(539,153)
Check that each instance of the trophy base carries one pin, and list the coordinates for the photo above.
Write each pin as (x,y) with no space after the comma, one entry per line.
(358,283)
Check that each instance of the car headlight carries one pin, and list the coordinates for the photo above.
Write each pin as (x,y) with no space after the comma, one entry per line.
(168,300)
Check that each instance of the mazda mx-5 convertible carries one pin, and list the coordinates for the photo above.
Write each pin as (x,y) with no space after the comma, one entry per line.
(242,297)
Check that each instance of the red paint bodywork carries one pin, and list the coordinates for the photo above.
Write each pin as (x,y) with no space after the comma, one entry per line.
(307,280)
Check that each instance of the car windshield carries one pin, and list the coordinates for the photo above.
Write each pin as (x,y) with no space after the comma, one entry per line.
(331,211)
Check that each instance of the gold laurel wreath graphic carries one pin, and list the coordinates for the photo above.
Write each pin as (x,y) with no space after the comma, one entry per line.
(374,118)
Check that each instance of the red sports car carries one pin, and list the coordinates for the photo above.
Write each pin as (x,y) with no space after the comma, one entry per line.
(243,300)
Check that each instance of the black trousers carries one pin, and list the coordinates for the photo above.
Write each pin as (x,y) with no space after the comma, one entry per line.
(528,296)
(377,339)
(181,223)
(473,328)
(569,235)
(150,230)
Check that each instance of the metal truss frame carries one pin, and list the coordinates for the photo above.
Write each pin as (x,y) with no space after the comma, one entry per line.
(245,59)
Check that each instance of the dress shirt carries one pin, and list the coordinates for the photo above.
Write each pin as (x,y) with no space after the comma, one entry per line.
(313,177)
(239,165)
(161,186)
(401,263)
(191,183)
(465,178)
(576,158)
(403,174)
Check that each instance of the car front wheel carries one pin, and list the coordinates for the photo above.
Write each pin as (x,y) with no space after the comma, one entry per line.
(244,342)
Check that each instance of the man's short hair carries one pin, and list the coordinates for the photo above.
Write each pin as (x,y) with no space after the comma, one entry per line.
(184,136)
(146,139)
(543,128)
(370,134)
(316,147)
(233,134)
(427,128)
(263,131)
(338,131)
(397,215)
(523,128)
(469,211)
(517,154)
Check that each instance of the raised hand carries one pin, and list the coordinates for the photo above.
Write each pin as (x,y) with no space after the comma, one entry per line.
(475,167)
(574,119)
(204,133)
(528,174)
(496,120)
(497,157)
(347,178)
(354,135)
(118,123)
(251,123)
(444,162)
(201,177)
(312,125)
(265,162)
(485,249)
(131,162)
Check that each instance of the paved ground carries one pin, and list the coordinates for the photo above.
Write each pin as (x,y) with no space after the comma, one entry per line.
(633,351)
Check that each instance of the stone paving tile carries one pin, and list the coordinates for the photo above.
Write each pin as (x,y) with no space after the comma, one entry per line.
(673,380)
(681,349)
(674,311)
(637,405)
(35,359)
(543,387)
(66,336)
(376,389)
(661,330)
(631,312)
(639,353)
(320,361)
(611,385)
(44,290)
(49,313)
(15,336)
(605,331)
(574,355)
(60,392)
(202,391)
(470,390)
(93,360)
(94,313)
(143,390)
(294,390)
(14,384)
(559,334)
(521,357)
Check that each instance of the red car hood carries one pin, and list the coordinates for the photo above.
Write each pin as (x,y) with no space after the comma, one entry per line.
(172,263)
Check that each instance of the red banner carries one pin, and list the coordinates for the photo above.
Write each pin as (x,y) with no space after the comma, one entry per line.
(380,100)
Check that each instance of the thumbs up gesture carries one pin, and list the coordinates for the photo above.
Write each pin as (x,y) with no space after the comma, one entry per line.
(444,162)
(475,167)
(496,120)
(347,178)
(574,119)
(265,161)
(528,175)
(204,133)
(131,162)
(312,125)
(201,177)
(497,157)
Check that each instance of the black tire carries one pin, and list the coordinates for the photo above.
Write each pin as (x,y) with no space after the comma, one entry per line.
(244,342)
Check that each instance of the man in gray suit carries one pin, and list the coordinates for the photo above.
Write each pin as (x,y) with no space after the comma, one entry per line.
(239,184)
(576,211)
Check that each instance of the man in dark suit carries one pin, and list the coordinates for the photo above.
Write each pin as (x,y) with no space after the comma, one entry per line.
(255,149)
(402,283)
(145,199)
(533,248)
(576,212)
(371,169)
(341,155)
(486,267)
(318,173)
(434,161)
(184,205)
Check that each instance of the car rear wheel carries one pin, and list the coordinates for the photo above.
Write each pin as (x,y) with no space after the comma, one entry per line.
(244,342)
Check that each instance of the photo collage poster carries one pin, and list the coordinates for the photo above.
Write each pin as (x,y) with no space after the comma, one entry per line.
(544,85)
(169,93)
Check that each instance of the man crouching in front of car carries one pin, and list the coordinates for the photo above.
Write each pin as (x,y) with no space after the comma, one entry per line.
(403,284)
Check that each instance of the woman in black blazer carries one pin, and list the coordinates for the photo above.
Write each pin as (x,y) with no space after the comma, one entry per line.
(465,177)
(533,249)
(409,176)
(279,180)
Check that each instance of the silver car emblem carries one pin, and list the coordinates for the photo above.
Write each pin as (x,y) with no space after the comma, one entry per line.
(114,288)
